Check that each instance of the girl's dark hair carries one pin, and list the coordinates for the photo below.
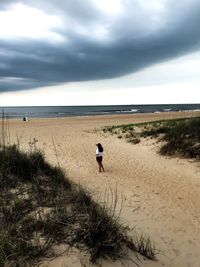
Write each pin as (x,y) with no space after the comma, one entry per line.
(100,147)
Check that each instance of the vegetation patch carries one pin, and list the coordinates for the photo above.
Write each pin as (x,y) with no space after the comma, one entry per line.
(126,132)
(181,136)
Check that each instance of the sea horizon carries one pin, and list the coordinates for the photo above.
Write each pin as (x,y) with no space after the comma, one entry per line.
(89,110)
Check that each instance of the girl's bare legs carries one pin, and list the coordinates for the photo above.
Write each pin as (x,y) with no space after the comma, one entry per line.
(102,166)
(99,163)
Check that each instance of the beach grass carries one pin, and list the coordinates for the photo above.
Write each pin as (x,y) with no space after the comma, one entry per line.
(179,136)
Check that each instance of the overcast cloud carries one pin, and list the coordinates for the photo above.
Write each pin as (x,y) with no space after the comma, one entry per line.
(60,41)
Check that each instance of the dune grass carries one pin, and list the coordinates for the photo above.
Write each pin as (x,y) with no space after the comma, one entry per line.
(125,131)
(181,136)
(40,208)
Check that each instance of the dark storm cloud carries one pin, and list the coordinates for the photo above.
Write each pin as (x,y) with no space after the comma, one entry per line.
(133,42)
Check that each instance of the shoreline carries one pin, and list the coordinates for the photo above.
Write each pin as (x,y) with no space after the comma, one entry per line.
(50,112)
(179,114)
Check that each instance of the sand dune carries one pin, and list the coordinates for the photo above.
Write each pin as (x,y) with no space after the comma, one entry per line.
(161,194)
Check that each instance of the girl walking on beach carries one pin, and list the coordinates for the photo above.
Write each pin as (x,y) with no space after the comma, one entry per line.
(99,156)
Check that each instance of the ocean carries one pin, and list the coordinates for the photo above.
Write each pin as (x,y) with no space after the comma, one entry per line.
(70,111)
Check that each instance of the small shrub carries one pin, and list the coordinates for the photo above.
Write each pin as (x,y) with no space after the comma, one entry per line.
(134,141)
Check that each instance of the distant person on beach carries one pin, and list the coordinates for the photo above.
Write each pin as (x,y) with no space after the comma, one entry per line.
(25,118)
(99,156)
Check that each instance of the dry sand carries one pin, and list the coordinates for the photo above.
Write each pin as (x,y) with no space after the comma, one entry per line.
(161,194)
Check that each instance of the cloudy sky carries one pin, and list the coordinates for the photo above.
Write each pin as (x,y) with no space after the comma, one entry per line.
(79,52)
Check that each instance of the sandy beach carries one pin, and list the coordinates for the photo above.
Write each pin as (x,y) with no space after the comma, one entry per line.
(161,195)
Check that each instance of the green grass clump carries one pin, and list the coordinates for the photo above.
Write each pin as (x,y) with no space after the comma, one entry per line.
(123,131)
(134,140)
(181,136)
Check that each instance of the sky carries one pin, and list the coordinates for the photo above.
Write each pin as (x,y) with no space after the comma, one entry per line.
(97,52)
